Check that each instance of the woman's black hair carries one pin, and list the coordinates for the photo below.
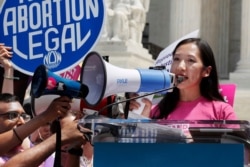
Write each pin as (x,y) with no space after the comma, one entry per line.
(209,86)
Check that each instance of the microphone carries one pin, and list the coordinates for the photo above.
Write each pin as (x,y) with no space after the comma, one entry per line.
(179,79)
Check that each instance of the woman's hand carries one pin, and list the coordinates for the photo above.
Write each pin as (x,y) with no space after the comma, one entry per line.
(5,56)
(147,108)
(135,105)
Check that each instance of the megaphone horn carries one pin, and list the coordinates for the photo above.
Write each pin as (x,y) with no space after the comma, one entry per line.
(104,79)
(45,82)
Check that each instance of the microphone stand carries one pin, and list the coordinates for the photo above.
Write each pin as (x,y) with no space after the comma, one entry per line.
(133,98)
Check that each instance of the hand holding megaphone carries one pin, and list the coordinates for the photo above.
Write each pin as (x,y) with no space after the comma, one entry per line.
(56,108)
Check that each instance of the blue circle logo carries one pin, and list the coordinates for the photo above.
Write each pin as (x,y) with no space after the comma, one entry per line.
(56,33)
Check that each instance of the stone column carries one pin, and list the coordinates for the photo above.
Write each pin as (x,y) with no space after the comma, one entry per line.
(244,63)
(215,29)
(185,17)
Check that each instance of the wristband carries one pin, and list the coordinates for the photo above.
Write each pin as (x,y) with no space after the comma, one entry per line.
(17,136)
(12,78)
(74,151)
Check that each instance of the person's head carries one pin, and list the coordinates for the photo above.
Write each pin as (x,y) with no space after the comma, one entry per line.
(12,113)
(193,58)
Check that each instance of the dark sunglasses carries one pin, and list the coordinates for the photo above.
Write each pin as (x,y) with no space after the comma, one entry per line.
(14,116)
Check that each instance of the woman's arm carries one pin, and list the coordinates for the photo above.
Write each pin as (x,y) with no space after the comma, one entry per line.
(8,76)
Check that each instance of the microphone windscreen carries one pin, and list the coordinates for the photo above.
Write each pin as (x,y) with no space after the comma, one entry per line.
(180,79)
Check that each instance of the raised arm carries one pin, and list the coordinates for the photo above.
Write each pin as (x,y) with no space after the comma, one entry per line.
(8,78)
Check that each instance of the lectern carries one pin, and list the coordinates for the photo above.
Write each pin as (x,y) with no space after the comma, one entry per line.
(158,143)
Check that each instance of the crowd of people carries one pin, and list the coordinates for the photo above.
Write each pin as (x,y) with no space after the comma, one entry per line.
(27,140)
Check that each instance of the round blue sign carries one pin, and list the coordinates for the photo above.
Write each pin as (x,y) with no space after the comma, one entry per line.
(56,33)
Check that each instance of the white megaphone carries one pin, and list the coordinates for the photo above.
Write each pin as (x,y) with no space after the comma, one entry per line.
(104,79)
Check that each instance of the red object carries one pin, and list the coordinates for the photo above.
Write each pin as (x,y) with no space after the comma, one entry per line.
(51,83)
(104,102)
